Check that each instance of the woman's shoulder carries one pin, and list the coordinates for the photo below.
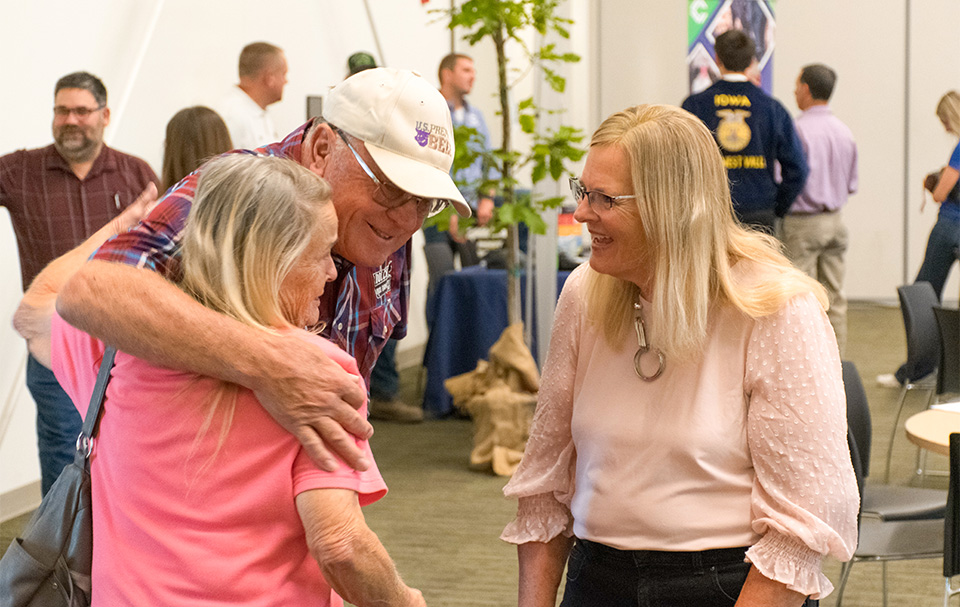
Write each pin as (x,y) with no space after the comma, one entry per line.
(330,349)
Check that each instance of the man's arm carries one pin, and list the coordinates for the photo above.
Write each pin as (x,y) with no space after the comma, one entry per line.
(793,165)
(143,314)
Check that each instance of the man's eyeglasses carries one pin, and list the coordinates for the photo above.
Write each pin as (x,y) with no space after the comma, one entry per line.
(598,201)
(390,196)
(81,112)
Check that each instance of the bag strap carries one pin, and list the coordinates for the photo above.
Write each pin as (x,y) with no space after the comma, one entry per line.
(91,423)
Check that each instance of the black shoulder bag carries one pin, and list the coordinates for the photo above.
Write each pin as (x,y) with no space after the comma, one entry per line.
(50,564)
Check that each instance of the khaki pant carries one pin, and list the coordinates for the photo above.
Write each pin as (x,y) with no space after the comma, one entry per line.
(816,244)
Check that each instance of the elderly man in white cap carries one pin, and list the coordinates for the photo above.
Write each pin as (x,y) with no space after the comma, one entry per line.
(385,145)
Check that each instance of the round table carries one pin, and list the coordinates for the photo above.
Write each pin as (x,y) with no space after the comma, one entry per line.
(931,429)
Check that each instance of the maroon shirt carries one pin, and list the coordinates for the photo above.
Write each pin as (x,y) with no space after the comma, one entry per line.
(52,211)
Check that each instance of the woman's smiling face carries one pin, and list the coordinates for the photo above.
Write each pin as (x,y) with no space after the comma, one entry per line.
(616,234)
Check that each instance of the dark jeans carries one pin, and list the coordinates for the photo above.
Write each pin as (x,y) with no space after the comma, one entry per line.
(941,252)
(58,422)
(384,379)
(601,576)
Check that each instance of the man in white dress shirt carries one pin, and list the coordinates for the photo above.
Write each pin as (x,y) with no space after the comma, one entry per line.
(263,74)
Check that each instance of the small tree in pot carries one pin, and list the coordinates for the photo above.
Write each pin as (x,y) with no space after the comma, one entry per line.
(506,22)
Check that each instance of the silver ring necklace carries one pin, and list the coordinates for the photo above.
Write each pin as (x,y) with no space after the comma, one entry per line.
(644,347)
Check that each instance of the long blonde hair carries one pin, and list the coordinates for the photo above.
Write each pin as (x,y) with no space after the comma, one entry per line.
(948,110)
(690,238)
(251,219)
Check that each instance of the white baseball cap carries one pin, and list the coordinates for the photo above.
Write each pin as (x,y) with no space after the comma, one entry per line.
(405,124)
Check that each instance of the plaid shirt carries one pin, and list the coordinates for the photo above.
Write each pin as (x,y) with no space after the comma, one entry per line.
(53,211)
(359,310)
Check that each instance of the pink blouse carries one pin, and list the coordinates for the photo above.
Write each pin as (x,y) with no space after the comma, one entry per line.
(743,446)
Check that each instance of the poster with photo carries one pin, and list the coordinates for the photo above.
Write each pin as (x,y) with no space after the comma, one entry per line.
(707,19)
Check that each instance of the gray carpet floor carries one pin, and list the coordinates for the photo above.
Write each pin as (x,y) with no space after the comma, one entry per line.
(441,521)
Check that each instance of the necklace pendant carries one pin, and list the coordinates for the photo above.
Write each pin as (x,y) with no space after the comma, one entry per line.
(638,359)
(644,348)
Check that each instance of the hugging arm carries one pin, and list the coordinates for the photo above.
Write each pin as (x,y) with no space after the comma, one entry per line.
(140,312)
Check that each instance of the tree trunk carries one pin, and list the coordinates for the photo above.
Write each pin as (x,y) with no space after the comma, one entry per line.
(509,194)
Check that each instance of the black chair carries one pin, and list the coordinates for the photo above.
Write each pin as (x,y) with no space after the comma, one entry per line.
(951,524)
(923,350)
(948,370)
(896,523)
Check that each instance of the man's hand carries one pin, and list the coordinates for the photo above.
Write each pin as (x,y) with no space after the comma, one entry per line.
(930,181)
(306,392)
(314,399)
(484,211)
(454,229)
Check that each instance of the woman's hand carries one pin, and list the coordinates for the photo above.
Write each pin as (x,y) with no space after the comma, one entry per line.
(133,214)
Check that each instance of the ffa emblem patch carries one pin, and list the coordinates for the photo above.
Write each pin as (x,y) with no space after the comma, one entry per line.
(733,134)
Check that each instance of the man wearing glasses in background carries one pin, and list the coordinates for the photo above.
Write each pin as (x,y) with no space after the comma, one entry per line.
(58,196)
(385,146)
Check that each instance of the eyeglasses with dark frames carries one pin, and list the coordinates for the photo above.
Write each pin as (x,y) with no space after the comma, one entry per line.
(598,201)
(61,111)
(396,198)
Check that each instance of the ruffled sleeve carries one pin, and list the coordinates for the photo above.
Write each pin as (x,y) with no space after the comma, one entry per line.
(805,498)
(544,482)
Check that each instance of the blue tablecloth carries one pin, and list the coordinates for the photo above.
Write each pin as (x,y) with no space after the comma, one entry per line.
(469,312)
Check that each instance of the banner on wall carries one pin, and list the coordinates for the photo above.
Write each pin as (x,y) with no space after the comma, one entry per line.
(707,19)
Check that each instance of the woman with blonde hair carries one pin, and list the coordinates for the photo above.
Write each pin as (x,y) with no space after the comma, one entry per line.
(198,495)
(689,445)
(944,239)
(945,236)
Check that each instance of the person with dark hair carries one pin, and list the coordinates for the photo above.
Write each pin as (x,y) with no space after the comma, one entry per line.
(813,232)
(194,135)
(754,132)
(57,196)
(263,74)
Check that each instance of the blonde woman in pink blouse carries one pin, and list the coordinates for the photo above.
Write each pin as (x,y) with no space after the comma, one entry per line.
(689,445)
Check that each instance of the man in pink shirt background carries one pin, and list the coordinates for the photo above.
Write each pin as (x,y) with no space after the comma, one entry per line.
(813,233)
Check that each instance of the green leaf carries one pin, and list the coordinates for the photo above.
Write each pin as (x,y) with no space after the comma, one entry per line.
(528,123)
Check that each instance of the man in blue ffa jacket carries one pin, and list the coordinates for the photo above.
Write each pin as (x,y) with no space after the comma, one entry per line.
(753,131)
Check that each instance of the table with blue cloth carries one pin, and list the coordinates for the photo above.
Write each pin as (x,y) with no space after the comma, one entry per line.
(468,312)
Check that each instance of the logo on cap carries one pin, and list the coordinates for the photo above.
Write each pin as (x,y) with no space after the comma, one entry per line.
(433,136)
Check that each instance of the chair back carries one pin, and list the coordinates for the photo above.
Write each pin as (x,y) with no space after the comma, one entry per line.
(951,522)
(859,425)
(948,371)
(923,351)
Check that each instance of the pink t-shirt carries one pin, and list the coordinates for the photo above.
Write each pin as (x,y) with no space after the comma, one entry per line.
(178,522)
